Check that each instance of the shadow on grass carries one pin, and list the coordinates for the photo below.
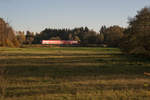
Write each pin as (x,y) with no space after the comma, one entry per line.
(58,71)
(68,67)
(138,58)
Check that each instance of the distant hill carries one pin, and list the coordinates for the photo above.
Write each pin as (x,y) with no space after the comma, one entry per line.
(7,36)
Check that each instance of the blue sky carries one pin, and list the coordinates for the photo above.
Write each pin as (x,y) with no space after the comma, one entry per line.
(36,15)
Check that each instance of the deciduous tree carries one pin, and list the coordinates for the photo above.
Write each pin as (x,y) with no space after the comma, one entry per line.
(137,38)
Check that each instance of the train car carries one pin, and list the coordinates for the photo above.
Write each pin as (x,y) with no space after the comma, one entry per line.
(60,42)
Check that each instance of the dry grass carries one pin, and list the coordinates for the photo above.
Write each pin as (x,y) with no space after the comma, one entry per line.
(74,74)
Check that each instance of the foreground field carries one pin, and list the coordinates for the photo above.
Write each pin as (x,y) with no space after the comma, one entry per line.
(73,74)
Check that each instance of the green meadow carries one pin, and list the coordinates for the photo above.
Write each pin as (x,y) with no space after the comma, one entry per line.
(72,73)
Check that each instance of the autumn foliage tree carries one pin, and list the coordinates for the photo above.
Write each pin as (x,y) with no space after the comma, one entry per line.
(21,37)
(7,35)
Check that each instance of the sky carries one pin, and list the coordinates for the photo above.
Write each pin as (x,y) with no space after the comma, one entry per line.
(36,15)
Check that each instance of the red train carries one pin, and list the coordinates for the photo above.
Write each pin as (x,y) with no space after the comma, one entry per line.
(60,42)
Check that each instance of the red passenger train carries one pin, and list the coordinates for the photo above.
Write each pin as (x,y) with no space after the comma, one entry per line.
(60,42)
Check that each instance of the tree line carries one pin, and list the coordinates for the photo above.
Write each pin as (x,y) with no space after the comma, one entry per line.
(135,39)
(110,36)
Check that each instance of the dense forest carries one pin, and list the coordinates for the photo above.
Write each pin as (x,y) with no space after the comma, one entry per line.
(135,39)
(110,36)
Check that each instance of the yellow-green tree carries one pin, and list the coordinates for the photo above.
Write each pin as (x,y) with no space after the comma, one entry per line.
(7,35)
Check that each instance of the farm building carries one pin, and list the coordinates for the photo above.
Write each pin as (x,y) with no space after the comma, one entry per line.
(60,42)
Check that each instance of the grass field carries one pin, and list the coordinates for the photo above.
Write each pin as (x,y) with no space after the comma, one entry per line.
(73,74)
